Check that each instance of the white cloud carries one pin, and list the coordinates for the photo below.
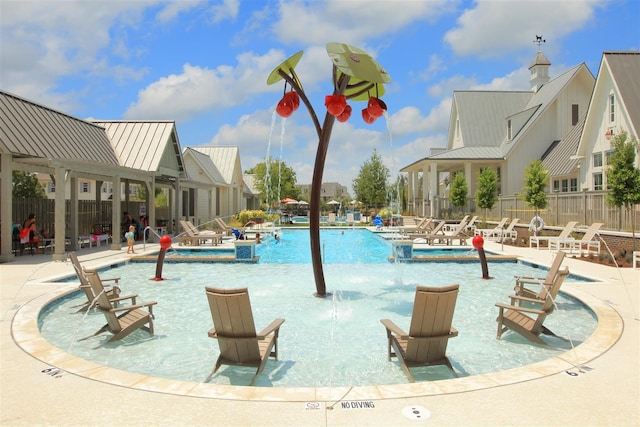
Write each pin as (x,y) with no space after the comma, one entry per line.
(492,28)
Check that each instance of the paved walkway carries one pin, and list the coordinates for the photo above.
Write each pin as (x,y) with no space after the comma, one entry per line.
(600,386)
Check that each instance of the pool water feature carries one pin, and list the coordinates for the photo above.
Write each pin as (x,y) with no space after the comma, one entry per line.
(334,341)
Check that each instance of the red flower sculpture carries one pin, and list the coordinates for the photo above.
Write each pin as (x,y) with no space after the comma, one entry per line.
(335,104)
(345,114)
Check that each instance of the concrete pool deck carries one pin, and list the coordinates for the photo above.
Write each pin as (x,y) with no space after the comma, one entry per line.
(605,391)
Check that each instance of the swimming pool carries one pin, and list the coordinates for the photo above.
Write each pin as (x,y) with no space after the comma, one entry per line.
(324,342)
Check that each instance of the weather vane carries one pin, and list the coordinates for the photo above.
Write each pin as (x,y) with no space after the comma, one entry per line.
(539,40)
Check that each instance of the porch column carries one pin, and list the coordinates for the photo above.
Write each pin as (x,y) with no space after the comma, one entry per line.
(433,190)
(410,193)
(116,214)
(73,209)
(467,176)
(6,185)
(59,231)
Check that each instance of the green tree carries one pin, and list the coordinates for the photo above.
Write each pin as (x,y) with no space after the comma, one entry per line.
(536,178)
(459,191)
(371,184)
(398,194)
(26,185)
(623,177)
(487,193)
(275,180)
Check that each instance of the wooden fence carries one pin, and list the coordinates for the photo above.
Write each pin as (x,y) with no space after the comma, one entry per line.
(585,207)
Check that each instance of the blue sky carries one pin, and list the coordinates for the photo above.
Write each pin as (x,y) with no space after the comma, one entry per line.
(204,64)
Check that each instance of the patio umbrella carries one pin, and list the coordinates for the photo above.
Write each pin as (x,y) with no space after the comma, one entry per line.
(302,202)
(333,202)
(288,201)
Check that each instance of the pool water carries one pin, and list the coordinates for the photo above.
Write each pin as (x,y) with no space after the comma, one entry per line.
(335,341)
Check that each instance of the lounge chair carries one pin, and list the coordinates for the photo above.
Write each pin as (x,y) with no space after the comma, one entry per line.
(545,283)
(563,235)
(453,225)
(484,232)
(448,238)
(500,234)
(437,231)
(112,291)
(235,331)
(526,320)
(131,318)
(588,241)
(351,219)
(429,332)
(196,237)
(423,226)
(224,228)
(332,219)
(471,225)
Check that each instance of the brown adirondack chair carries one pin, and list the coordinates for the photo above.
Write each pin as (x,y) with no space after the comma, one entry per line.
(234,328)
(545,283)
(131,317)
(527,320)
(426,342)
(112,291)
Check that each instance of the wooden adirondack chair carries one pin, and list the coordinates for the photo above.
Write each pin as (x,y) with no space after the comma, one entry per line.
(426,342)
(234,328)
(544,282)
(528,320)
(112,291)
(131,317)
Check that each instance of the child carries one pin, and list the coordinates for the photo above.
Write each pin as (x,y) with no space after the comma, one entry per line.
(131,239)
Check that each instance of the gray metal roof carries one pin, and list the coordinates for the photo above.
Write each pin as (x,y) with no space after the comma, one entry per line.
(625,70)
(558,161)
(145,145)
(469,153)
(206,163)
(224,157)
(540,101)
(28,129)
(482,115)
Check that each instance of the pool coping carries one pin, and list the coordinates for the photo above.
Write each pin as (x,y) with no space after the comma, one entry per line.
(26,334)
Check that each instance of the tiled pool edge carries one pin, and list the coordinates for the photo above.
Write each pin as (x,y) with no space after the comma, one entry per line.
(26,334)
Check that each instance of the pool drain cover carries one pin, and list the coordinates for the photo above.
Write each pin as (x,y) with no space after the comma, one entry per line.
(416,413)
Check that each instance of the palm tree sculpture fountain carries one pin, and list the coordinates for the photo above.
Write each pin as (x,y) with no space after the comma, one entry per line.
(356,76)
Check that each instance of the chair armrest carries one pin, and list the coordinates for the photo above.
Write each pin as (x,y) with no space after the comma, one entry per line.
(132,297)
(392,327)
(273,326)
(524,299)
(111,279)
(518,308)
(134,306)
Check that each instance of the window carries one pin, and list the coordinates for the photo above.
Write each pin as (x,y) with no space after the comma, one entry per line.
(556,185)
(565,185)
(51,187)
(574,114)
(597,160)
(612,108)
(608,155)
(574,184)
(509,129)
(597,181)
(85,187)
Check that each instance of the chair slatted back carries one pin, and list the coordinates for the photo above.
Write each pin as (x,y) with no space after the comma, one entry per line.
(234,325)
(104,304)
(591,232)
(431,323)
(512,224)
(567,229)
(548,305)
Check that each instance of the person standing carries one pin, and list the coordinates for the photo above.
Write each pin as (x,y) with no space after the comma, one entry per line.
(131,239)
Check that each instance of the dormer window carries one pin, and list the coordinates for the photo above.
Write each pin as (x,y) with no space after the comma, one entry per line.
(612,108)
(509,129)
